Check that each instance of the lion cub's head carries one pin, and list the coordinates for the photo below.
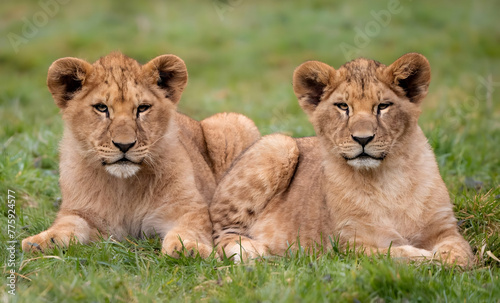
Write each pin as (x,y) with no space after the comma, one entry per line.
(116,109)
(363,111)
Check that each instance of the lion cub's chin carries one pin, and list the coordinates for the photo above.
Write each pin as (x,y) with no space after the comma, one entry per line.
(123,170)
(364,163)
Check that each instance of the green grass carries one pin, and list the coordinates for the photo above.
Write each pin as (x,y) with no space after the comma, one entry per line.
(243,62)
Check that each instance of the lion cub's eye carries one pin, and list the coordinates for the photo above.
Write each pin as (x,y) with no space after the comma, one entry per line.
(383,106)
(143,107)
(101,108)
(342,106)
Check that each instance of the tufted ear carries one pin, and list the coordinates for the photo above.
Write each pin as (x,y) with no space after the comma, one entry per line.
(169,73)
(411,73)
(309,82)
(66,76)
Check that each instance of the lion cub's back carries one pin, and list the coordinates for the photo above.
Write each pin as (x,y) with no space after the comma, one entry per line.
(213,144)
(227,135)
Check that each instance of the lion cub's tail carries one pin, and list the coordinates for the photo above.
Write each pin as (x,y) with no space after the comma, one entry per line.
(227,135)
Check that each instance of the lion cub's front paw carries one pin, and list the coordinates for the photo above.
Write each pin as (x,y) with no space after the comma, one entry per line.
(454,254)
(239,254)
(187,247)
(44,241)
(244,250)
(410,252)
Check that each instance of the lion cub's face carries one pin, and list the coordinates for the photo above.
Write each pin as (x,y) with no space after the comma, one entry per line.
(117,109)
(363,110)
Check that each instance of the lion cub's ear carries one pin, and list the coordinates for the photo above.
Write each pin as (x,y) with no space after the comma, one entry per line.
(412,74)
(169,73)
(309,82)
(66,77)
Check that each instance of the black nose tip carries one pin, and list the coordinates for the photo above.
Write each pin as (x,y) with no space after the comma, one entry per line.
(363,140)
(124,147)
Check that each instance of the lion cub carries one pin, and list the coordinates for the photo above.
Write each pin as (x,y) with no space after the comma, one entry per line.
(130,165)
(369,177)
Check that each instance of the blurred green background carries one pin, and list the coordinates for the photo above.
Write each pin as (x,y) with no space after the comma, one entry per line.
(240,56)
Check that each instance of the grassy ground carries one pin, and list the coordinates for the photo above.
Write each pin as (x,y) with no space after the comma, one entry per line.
(240,56)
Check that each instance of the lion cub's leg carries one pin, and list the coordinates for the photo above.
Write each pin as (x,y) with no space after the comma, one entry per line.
(227,135)
(371,240)
(191,234)
(261,173)
(451,250)
(68,227)
(404,251)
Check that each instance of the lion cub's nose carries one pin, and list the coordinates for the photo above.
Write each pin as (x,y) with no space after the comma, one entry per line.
(363,140)
(124,147)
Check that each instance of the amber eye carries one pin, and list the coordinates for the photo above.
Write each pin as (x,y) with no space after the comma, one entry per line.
(143,107)
(383,106)
(101,108)
(342,106)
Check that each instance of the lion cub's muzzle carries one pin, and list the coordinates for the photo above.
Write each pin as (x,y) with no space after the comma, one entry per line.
(123,163)
(364,153)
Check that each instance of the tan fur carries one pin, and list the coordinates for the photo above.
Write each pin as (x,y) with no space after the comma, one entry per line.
(284,190)
(173,161)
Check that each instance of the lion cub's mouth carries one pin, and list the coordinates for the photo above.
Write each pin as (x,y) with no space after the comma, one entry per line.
(122,168)
(122,161)
(364,155)
(365,161)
